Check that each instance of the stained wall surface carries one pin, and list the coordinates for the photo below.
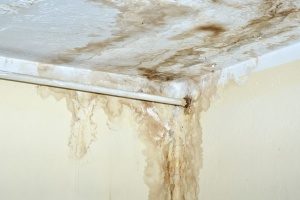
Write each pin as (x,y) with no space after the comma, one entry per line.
(124,149)
(36,161)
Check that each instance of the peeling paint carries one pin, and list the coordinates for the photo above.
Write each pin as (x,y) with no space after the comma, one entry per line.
(214,29)
(134,19)
(170,134)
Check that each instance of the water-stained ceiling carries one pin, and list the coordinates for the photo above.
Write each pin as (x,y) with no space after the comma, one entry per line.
(148,46)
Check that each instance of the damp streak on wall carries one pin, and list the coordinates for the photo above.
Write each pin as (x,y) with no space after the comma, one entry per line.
(171,135)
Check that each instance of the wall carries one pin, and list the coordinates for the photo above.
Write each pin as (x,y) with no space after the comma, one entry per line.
(36,162)
(251,138)
(250,144)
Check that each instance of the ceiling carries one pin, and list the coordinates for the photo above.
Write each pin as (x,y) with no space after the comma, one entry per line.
(141,45)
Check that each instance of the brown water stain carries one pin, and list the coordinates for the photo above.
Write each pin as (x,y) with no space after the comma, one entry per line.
(81,106)
(188,104)
(183,57)
(154,75)
(137,18)
(172,137)
(213,29)
(228,3)
(272,13)
(134,18)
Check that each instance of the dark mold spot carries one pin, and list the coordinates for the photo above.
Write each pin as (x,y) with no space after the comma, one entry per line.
(274,9)
(271,15)
(196,47)
(188,103)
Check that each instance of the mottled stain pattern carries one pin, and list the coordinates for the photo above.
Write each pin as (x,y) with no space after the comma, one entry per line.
(155,75)
(188,104)
(171,136)
(83,127)
(183,57)
(197,47)
(273,12)
(215,29)
(134,19)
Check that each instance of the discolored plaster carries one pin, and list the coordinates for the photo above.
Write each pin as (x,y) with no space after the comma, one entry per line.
(201,44)
(167,48)
(170,134)
(82,107)
(214,29)
(161,48)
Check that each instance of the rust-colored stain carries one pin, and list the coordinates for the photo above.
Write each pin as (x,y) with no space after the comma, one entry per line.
(171,136)
(83,127)
(188,104)
(209,39)
(133,19)
(213,29)
(154,75)
(272,13)
(183,57)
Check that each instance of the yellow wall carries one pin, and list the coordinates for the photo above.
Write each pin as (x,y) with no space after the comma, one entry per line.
(250,144)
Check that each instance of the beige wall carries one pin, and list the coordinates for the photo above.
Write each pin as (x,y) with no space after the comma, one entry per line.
(251,145)
(36,162)
(251,138)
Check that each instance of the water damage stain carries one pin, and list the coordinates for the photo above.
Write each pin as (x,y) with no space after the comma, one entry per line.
(82,106)
(188,103)
(213,29)
(134,18)
(171,136)
(154,75)
(189,51)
